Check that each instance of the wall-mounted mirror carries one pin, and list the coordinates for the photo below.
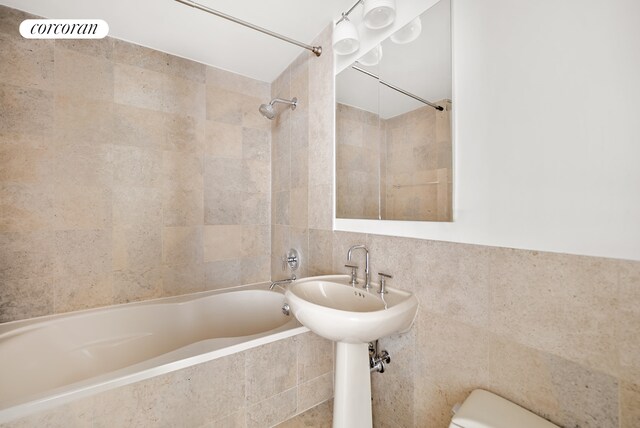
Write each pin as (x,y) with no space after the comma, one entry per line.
(393,126)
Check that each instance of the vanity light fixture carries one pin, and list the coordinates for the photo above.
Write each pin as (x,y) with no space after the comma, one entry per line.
(408,33)
(372,57)
(345,36)
(379,14)
(376,14)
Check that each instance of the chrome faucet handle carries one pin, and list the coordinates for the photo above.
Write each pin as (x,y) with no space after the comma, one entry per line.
(383,282)
(354,274)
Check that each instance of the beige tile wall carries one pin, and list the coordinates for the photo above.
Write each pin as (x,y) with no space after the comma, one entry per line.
(260,387)
(125,174)
(302,159)
(399,168)
(418,162)
(360,149)
(555,333)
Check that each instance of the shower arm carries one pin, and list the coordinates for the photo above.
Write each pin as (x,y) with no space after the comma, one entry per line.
(293,102)
(315,49)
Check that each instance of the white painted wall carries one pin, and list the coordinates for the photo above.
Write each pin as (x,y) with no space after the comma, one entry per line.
(547,128)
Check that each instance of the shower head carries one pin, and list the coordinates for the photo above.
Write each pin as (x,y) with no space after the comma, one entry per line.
(268,111)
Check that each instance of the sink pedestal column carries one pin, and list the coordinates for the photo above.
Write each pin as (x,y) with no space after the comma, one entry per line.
(352,396)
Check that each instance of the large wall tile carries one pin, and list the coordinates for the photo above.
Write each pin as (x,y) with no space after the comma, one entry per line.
(182,245)
(320,256)
(140,56)
(138,87)
(454,359)
(23,110)
(587,398)
(222,198)
(183,279)
(318,417)
(27,255)
(315,356)
(83,252)
(25,161)
(183,96)
(559,303)
(235,82)
(234,420)
(134,126)
(77,74)
(72,293)
(254,269)
(392,256)
(223,105)
(26,62)
(453,280)
(81,207)
(272,411)
(315,392)
(26,207)
(102,48)
(522,375)
(256,240)
(320,207)
(267,377)
(182,189)
(223,274)
(298,206)
(134,206)
(78,414)
(256,176)
(137,248)
(88,165)
(256,208)
(80,120)
(223,242)
(223,140)
(22,298)
(137,284)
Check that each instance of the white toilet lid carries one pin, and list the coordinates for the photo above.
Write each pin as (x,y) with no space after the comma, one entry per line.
(482,409)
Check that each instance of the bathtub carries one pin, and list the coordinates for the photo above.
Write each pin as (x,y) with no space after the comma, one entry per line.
(48,361)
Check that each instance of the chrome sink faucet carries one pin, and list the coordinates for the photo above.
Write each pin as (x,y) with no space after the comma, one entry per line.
(367,275)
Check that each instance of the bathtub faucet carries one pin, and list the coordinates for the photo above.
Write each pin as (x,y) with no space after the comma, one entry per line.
(282,281)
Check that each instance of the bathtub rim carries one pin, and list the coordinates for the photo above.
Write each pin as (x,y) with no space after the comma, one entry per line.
(178,298)
(132,374)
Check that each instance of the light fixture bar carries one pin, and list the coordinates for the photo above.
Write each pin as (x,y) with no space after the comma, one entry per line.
(315,49)
(345,14)
(395,88)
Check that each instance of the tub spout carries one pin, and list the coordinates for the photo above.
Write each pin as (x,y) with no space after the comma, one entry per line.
(282,281)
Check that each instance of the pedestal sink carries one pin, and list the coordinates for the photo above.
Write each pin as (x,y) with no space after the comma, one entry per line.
(352,317)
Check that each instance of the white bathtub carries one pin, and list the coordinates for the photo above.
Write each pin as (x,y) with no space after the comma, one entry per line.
(48,361)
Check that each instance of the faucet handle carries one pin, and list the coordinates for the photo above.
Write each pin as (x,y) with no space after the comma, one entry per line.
(354,273)
(383,284)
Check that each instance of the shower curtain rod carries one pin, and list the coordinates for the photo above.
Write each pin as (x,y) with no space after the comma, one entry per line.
(315,49)
(395,88)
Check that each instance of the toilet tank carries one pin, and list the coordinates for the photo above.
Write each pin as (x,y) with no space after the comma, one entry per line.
(483,409)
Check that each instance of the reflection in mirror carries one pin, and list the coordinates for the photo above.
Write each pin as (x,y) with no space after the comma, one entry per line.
(393,148)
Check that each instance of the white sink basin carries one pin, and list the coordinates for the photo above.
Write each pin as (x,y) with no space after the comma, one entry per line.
(333,309)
